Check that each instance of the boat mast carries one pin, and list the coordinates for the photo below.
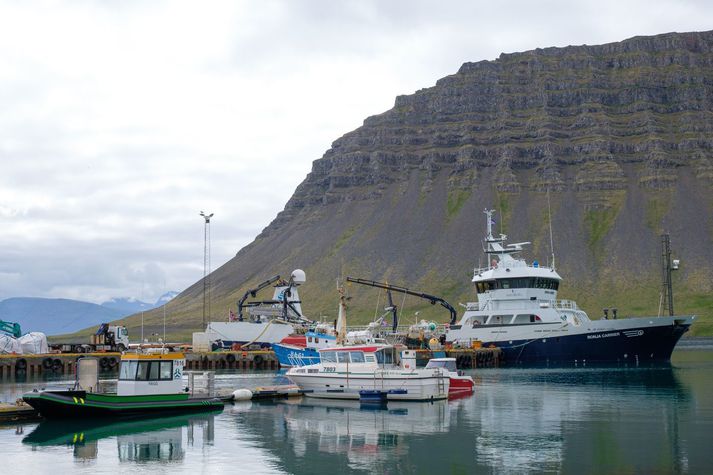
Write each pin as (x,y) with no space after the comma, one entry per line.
(342,317)
(549,219)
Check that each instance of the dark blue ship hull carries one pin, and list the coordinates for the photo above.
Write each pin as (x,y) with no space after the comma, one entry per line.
(632,345)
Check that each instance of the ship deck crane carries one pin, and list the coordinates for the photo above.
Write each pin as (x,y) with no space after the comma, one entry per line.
(395,288)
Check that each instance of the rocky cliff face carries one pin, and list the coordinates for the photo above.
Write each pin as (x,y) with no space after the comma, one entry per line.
(618,136)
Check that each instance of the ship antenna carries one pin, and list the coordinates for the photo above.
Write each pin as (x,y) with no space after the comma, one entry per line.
(549,218)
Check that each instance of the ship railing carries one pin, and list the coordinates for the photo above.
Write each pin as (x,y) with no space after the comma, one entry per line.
(513,264)
(401,329)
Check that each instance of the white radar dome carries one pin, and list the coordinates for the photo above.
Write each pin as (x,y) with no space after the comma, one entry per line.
(298,276)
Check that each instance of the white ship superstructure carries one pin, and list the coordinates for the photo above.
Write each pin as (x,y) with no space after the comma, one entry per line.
(518,311)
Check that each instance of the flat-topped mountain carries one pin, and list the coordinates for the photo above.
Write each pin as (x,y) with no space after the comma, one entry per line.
(619,136)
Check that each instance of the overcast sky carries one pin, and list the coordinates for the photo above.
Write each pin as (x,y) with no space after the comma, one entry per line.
(120,121)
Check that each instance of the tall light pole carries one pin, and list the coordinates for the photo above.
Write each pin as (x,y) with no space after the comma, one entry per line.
(206,264)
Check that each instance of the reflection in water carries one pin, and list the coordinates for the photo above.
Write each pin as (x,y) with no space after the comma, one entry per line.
(138,440)
(367,435)
(557,418)
(520,420)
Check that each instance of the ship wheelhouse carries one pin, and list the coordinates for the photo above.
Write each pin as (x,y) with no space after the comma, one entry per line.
(517,283)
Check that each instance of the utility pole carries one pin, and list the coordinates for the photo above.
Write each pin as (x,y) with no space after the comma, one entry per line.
(206,265)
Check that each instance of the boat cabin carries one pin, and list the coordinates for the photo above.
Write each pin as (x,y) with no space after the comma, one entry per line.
(382,356)
(144,374)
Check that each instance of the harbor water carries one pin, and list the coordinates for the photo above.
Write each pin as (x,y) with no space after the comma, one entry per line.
(579,420)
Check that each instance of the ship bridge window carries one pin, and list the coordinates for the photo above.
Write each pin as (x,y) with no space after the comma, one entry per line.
(328,357)
(357,356)
(343,357)
(482,287)
(542,283)
(524,283)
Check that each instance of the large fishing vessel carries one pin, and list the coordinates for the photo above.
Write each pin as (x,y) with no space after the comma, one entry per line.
(262,323)
(518,311)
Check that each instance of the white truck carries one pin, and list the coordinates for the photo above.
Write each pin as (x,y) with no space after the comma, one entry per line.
(107,338)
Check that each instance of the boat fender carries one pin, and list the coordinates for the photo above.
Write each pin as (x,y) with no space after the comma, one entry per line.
(258,359)
(104,362)
(47,363)
(112,362)
(57,365)
(20,364)
(242,395)
(230,358)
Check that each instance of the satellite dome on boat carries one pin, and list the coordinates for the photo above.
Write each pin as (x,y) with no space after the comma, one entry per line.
(298,276)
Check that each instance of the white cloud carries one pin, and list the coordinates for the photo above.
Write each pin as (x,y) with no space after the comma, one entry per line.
(121,120)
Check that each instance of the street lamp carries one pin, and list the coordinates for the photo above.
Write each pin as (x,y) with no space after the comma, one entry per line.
(206,264)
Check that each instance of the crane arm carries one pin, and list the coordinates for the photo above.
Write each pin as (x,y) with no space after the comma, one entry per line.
(395,288)
(253,293)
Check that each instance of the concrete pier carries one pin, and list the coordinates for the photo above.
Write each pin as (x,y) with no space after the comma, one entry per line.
(13,366)
(262,359)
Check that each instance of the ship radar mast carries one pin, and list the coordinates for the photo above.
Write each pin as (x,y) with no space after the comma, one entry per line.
(495,246)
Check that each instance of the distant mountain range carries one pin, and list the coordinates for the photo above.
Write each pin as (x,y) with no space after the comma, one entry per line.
(58,316)
(130,305)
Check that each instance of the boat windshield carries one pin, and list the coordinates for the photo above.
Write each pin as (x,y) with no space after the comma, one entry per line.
(450,365)
(146,371)
(128,370)
(385,356)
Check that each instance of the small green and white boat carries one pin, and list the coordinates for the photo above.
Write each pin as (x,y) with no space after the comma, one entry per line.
(149,385)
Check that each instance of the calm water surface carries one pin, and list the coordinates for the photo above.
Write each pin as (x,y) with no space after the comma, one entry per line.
(535,420)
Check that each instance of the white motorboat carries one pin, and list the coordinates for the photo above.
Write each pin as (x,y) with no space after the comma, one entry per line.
(518,311)
(460,383)
(356,372)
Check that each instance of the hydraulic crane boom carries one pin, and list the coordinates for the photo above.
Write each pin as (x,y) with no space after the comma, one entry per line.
(395,288)
(253,293)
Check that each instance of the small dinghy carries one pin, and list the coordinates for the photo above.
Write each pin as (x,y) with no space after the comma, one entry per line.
(149,385)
